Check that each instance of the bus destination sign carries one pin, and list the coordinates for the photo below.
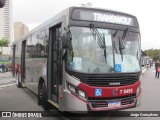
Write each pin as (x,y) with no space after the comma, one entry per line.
(110,18)
(104,16)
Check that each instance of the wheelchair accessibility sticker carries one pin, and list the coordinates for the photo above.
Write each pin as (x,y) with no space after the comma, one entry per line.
(98,92)
(118,68)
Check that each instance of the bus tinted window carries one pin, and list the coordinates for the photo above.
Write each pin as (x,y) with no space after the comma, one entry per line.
(37,45)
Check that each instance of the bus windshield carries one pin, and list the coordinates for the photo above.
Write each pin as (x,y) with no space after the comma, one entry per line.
(97,50)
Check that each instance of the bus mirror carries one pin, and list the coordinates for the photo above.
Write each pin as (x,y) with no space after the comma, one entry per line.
(64,40)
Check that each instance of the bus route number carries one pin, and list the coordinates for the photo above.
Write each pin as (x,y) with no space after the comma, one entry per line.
(126,91)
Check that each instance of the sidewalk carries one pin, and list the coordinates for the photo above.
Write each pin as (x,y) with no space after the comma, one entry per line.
(6,78)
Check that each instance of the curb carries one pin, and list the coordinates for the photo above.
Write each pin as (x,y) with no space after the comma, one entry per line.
(3,86)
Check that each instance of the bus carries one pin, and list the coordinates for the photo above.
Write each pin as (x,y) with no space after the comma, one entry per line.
(82,59)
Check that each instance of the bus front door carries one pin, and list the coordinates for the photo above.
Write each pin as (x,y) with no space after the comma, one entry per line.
(54,63)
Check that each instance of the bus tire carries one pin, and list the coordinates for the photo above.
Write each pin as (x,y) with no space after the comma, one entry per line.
(19,85)
(40,94)
(44,101)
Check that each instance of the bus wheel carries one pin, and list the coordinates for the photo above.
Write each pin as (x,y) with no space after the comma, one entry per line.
(44,101)
(19,85)
(40,94)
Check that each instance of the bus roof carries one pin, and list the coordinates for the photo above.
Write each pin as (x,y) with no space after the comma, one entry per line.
(64,12)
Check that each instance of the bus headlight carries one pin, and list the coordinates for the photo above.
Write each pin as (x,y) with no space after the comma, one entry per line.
(81,94)
(72,89)
(76,91)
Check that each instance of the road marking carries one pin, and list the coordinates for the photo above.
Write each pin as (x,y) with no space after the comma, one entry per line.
(3,86)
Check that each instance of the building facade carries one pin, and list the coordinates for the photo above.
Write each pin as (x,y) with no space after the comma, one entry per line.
(6,25)
(19,30)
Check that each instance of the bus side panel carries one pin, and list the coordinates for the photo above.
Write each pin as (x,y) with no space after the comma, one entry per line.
(36,59)
(35,69)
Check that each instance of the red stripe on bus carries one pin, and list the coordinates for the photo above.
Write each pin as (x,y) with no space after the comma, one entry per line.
(108,91)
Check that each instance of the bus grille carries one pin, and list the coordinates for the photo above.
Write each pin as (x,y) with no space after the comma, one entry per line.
(104,103)
(111,81)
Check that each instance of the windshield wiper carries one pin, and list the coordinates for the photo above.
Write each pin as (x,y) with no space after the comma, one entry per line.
(100,41)
(122,42)
(104,43)
(96,34)
(114,45)
(125,33)
(121,47)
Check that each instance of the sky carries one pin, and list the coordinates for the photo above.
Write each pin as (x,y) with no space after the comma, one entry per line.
(34,12)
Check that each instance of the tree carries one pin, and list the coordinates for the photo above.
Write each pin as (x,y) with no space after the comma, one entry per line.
(3,43)
(153,53)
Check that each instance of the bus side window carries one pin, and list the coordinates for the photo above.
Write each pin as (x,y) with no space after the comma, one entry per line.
(44,49)
(43,44)
(46,46)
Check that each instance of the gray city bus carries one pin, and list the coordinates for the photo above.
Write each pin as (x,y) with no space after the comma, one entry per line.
(83,59)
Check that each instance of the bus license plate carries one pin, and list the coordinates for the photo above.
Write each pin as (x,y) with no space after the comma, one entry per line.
(114,104)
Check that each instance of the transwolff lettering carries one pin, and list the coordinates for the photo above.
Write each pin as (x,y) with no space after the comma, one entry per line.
(112,18)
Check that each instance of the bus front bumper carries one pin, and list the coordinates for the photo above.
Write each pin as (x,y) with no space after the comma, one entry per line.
(73,103)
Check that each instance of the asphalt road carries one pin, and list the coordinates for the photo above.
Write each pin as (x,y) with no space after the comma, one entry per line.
(20,99)
(6,79)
